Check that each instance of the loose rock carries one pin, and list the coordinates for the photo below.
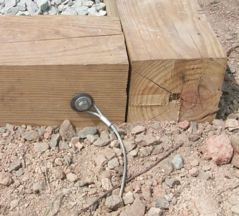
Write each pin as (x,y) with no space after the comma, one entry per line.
(178,162)
(41,147)
(31,135)
(235,142)
(87,131)
(235,160)
(92,138)
(128,198)
(129,145)
(136,209)
(155,212)
(67,131)
(63,145)
(16,165)
(113,163)
(219,149)
(231,124)
(113,202)
(14,203)
(184,125)
(74,140)
(38,187)
(55,139)
(194,172)
(71,177)
(172,182)
(5,179)
(162,203)
(101,142)
(106,184)
(235,210)
(194,163)
(138,129)
(100,160)
(43,5)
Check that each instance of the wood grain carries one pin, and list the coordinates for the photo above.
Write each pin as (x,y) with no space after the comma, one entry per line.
(39,74)
(39,28)
(177,63)
(111,8)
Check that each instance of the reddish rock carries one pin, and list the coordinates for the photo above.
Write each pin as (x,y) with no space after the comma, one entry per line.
(219,149)
(184,125)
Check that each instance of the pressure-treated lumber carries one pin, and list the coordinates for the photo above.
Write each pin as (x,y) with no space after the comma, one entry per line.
(111,8)
(45,61)
(177,63)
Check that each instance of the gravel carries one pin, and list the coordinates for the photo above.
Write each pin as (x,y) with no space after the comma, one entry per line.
(41,147)
(67,130)
(162,203)
(155,212)
(113,202)
(71,177)
(87,131)
(5,179)
(178,162)
(128,198)
(55,139)
(53,7)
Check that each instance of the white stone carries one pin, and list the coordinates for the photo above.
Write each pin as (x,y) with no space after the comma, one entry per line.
(128,198)
(43,5)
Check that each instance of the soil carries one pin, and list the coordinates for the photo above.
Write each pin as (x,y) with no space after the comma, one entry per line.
(51,171)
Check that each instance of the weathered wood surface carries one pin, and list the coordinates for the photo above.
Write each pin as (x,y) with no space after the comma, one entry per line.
(111,8)
(46,60)
(177,63)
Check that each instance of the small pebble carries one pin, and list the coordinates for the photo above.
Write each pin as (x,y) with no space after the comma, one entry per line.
(138,129)
(5,179)
(113,163)
(67,130)
(128,198)
(194,172)
(178,162)
(113,202)
(41,147)
(106,184)
(38,187)
(184,125)
(162,203)
(71,177)
(155,212)
(194,163)
(87,131)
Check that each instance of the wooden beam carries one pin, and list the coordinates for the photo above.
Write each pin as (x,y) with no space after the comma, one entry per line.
(176,60)
(111,8)
(56,27)
(42,70)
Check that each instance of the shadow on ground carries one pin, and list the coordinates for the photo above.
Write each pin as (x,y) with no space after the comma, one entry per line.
(229,102)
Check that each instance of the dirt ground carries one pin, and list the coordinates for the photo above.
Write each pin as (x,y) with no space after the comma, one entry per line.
(60,171)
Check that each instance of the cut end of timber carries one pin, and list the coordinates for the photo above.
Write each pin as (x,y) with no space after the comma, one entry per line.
(178,64)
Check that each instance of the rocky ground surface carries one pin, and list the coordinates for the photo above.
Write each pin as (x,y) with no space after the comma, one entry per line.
(52,7)
(61,170)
